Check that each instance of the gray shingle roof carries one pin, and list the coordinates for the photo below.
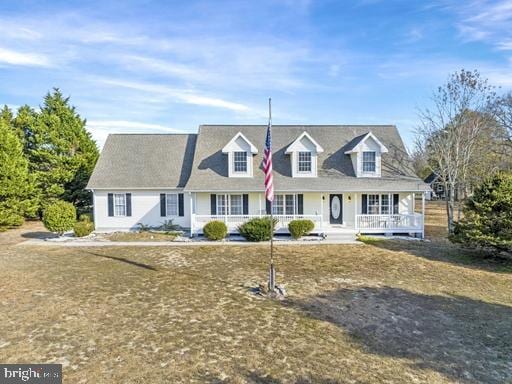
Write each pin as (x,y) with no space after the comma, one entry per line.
(335,170)
(144,161)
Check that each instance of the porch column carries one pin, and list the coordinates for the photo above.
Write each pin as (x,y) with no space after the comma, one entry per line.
(423,215)
(356,225)
(192,216)
(226,207)
(322,211)
(413,203)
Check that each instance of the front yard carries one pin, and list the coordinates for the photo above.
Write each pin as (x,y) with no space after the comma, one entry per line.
(387,312)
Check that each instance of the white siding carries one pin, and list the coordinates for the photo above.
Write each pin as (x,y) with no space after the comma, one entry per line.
(145,209)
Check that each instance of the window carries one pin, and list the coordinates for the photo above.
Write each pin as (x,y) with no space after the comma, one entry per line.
(221,205)
(171,204)
(304,161)
(283,205)
(373,204)
(119,204)
(278,205)
(384,205)
(236,205)
(289,204)
(230,205)
(379,205)
(240,161)
(368,161)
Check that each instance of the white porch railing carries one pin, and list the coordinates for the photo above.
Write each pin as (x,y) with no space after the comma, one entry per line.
(233,221)
(374,223)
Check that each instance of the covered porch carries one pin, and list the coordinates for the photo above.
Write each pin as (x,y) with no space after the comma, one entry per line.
(331,212)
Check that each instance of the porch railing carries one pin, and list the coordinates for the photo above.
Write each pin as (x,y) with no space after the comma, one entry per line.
(233,221)
(413,222)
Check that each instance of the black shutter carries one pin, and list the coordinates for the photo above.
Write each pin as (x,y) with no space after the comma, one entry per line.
(128,204)
(213,204)
(300,204)
(267,207)
(245,204)
(163,206)
(364,204)
(395,204)
(181,207)
(111,204)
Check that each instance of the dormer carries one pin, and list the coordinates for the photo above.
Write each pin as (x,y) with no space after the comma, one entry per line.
(304,156)
(240,152)
(366,154)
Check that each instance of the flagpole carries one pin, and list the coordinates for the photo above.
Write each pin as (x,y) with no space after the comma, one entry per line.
(272,272)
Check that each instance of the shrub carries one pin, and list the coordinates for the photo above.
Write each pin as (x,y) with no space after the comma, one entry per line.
(257,229)
(299,228)
(59,217)
(168,226)
(215,230)
(85,217)
(83,228)
(487,218)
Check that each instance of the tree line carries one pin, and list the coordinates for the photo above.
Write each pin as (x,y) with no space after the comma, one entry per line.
(465,138)
(45,155)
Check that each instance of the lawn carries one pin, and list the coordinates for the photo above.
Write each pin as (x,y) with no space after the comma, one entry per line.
(400,312)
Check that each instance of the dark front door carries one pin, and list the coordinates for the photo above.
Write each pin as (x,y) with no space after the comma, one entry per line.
(336,209)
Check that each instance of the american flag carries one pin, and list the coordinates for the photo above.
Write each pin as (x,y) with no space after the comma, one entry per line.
(267,164)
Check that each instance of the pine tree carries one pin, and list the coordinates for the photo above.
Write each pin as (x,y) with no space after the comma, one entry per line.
(16,186)
(24,124)
(61,152)
(487,218)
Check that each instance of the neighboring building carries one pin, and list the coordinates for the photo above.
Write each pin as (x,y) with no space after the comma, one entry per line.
(436,186)
(343,178)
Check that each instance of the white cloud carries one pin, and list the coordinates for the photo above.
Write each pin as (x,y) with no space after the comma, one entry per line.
(12,57)
(100,129)
(485,21)
(182,95)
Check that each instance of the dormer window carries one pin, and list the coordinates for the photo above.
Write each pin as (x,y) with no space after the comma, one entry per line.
(369,161)
(304,162)
(366,154)
(240,161)
(240,153)
(304,156)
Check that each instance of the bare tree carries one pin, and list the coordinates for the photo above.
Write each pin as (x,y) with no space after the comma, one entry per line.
(503,112)
(451,129)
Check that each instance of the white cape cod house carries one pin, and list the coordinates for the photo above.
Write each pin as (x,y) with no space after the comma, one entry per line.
(344,178)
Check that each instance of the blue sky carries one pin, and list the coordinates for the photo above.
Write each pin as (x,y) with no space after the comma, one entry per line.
(141,66)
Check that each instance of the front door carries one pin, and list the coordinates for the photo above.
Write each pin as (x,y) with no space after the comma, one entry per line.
(336,209)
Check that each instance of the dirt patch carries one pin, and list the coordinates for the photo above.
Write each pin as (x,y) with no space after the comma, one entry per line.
(141,236)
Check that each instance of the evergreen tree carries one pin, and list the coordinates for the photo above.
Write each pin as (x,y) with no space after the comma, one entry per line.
(62,154)
(6,115)
(24,124)
(487,218)
(16,186)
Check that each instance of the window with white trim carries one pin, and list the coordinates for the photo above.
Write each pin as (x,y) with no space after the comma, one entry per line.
(385,208)
(283,205)
(119,204)
(304,162)
(235,204)
(240,161)
(222,205)
(230,204)
(171,204)
(373,205)
(369,162)
(379,204)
